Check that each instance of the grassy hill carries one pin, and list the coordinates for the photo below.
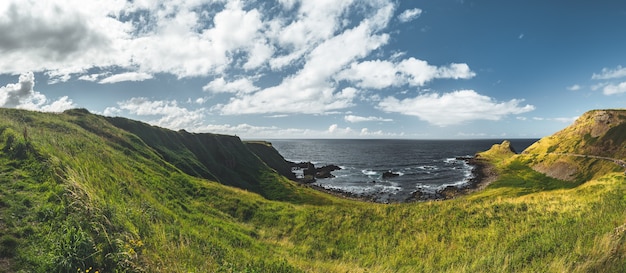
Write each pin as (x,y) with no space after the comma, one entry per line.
(573,153)
(80,191)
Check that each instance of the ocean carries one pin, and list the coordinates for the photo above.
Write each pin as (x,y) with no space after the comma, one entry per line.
(421,165)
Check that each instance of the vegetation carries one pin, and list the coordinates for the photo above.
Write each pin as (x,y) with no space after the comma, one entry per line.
(80,191)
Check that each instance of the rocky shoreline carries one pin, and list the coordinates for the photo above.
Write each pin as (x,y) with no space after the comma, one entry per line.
(483,173)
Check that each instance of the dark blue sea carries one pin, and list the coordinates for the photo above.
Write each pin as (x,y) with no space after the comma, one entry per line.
(422,165)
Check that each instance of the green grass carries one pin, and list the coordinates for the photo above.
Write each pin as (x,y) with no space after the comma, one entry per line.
(78,192)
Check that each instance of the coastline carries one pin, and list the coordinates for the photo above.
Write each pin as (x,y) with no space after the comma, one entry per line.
(483,174)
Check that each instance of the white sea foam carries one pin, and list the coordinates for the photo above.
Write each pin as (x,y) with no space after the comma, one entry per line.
(369,172)
(450,160)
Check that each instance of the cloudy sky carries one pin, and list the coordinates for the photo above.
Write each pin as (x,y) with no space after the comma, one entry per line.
(319,69)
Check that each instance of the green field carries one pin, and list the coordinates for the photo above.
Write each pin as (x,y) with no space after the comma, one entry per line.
(78,192)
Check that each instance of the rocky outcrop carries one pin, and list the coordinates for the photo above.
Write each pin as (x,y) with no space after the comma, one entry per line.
(310,172)
(390,174)
(325,171)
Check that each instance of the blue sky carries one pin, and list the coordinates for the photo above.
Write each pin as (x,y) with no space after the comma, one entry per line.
(319,69)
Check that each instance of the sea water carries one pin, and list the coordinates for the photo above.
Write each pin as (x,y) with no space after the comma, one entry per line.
(421,165)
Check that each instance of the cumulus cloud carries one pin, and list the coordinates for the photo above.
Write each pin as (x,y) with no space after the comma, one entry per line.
(311,89)
(311,57)
(454,107)
(608,73)
(23,95)
(380,74)
(409,15)
(166,113)
(60,37)
(354,119)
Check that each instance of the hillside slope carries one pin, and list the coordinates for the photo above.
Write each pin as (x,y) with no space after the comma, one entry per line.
(588,148)
(77,192)
(222,158)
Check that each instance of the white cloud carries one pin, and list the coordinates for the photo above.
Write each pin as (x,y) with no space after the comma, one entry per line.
(608,73)
(354,119)
(59,105)
(365,132)
(420,72)
(333,128)
(613,89)
(380,74)
(574,87)
(245,130)
(311,89)
(453,108)
(89,77)
(375,74)
(409,15)
(22,95)
(316,22)
(306,50)
(124,77)
(220,85)
(168,113)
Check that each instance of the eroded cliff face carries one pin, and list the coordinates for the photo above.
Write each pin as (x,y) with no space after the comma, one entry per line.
(584,149)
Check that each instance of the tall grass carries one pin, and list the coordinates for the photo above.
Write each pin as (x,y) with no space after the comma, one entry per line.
(71,198)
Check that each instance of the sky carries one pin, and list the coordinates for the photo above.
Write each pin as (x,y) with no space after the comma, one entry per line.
(445,69)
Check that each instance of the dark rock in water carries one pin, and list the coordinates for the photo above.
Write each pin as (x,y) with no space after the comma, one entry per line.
(310,172)
(389,174)
(325,172)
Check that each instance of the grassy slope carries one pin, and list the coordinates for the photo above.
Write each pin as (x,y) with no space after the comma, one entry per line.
(71,198)
(597,132)
(215,157)
(266,152)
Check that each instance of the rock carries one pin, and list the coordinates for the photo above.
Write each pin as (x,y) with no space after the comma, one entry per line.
(389,174)
(325,171)
(450,192)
